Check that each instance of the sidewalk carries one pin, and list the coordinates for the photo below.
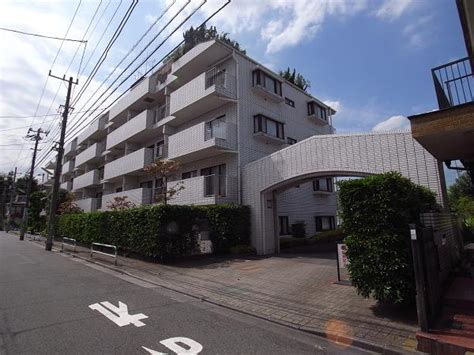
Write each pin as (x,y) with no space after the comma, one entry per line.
(293,290)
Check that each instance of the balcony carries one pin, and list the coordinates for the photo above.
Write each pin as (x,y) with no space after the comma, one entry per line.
(68,167)
(89,179)
(448,133)
(204,93)
(138,129)
(206,190)
(66,185)
(132,163)
(88,204)
(70,148)
(202,141)
(141,196)
(92,154)
(96,130)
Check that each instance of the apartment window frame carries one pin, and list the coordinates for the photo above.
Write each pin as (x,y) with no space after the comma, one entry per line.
(319,225)
(189,174)
(260,125)
(317,110)
(146,184)
(211,126)
(270,83)
(289,102)
(329,185)
(284,225)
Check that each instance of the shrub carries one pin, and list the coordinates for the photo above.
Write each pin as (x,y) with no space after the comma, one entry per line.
(161,231)
(376,211)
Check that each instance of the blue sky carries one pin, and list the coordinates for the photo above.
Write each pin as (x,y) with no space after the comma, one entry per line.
(369,59)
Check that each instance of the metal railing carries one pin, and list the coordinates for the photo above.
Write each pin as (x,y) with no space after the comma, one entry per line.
(101,251)
(454,83)
(68,242)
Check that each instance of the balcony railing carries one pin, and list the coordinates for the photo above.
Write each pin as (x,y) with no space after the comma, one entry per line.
(454,83)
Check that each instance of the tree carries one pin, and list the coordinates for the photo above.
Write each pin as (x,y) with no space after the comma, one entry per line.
(120,203)
(68,205)
(296,79)
(461,200)
(376,212)
(163,170)
(194,36)
(36,215)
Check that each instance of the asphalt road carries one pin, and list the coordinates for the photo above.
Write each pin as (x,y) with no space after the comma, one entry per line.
(50,303)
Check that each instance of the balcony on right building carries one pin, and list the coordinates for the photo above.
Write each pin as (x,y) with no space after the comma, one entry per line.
(448,133)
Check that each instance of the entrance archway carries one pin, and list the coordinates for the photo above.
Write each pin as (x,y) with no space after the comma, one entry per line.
(360,154)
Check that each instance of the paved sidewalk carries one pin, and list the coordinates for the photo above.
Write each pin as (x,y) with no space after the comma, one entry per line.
(294,290)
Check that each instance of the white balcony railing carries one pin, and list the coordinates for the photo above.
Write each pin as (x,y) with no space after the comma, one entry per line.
(204,137)
(90,178)
(205,190)
(141,196)
(66,185)
(70,148)
(136,93)
(92,153)
(88,204)
(131,129)
(202,93)
(129,163)
(68,167)
(94,128)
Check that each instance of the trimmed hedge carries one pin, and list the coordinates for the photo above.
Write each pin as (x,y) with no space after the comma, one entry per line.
(376,211)
(163,231)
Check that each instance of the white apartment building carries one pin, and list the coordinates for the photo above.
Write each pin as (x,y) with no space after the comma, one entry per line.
(214,110)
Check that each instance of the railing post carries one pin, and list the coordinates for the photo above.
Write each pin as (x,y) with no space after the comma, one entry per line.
(421,301)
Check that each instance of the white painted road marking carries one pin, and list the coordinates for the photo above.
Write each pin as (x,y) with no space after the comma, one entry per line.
(174,345)
(121,316)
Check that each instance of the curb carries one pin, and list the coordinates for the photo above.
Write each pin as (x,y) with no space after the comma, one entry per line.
(335,337)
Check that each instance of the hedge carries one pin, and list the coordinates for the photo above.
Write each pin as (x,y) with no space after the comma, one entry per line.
(376,211)
(163,231)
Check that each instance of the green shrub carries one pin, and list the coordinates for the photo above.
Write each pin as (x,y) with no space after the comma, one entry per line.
(162,231)
(376,211)
(330,236)
(242,249)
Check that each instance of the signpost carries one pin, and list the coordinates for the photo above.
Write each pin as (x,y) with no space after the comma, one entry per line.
(342,263)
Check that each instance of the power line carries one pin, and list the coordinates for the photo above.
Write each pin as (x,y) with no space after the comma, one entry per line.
(42,36)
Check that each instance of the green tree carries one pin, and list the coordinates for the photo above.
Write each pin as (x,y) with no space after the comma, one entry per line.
(37,215)
(376,212)
(163,170)
(295,78)
(194,36)
(461,200)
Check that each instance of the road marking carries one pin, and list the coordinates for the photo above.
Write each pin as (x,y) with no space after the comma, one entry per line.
(121,316)
(174,345)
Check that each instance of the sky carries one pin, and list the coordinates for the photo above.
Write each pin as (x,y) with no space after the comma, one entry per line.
(368,59)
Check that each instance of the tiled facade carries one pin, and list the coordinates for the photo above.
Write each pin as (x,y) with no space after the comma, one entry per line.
(199,111)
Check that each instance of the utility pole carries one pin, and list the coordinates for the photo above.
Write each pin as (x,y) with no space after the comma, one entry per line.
(59,161)
(12,197)
(36,137)
(4,196)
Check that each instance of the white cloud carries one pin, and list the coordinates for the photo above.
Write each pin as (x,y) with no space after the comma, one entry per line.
(418,32)
(334,104)
(392,123)
(393,9)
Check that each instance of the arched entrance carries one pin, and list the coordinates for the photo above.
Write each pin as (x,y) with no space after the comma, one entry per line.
(331,155)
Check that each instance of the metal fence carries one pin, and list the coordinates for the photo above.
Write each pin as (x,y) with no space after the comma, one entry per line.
(454,83)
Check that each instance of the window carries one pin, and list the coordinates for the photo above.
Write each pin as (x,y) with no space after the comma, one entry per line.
(215,181)
(289,102)
(284,225)
(324,223)
(268,126)
(260,78)
(157,149)
(291,141)
(188,174)
(118,189)
(317,110)
(160,113)
(216,128)
(146,184)
(323,185)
